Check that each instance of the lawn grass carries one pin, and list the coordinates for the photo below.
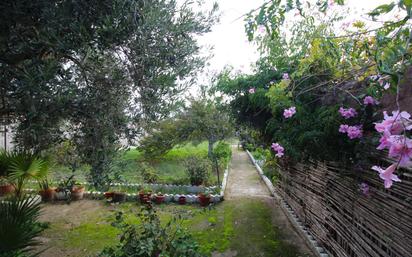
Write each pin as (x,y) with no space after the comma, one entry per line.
(169,167)
(242,225)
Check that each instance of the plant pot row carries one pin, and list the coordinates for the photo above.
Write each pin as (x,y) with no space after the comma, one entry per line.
(52,194)
(6,189)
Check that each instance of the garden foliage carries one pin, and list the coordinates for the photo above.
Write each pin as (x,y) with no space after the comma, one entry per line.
(151,238)
(316,91)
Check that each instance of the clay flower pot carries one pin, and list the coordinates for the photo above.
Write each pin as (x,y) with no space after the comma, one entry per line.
(119,197)
(6,189)
(159,198)
(144,197)
(204,200)
(77,192)
(182,200)
(48,194)
(108,195)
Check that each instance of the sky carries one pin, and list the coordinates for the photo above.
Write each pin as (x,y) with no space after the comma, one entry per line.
(229,41)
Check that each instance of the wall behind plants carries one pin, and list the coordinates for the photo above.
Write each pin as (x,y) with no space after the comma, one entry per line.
(350,213)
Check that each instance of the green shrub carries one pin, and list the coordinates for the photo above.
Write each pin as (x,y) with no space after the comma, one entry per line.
(223,152)
(151,238)
(149,173)
(197,169)
(19,227)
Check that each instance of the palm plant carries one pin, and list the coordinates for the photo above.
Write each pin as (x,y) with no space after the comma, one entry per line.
(24,166)
(19,227)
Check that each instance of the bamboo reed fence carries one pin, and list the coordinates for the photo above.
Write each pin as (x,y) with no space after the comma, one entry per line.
(346,222)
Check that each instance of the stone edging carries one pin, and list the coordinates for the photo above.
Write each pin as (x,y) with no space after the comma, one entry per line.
(190,198)
(303,231)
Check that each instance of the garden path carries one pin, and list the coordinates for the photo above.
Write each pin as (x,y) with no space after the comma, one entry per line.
(245,186)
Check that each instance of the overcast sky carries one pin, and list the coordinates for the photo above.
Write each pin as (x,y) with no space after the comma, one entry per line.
(229,38)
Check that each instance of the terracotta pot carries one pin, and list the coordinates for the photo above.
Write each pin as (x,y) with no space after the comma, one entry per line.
(119,197)
(160,199)
(6,189)
(77,193)
(204,200)
(144,197)
(48,194)
(182,200)
(108,195)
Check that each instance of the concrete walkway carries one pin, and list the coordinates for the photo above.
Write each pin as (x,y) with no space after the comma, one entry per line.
(244,184)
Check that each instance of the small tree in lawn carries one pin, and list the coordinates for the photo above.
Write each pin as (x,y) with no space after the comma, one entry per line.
(202,120)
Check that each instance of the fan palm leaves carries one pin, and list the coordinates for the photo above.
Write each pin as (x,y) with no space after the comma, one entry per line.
(19,227)
(23,166)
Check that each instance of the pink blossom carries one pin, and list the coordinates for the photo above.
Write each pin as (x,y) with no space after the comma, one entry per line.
(343,128)
(279,149)
(395,124)
(285,76)
(252,90)
(387,175)
(287,113)
(369,100)
(384,141)
(355,132)
(401,147)
(261,29)
(387,85)
(347,113)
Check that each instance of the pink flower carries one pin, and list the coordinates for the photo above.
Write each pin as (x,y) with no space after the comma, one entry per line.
(355,132)
(279,149)
(387,175)
(387,85)
(347,113)
(287,113)
(261,29)
(369,100)
(285,76)
(343,128)
(384,141)
(401,147)
(395,124)
(252,90)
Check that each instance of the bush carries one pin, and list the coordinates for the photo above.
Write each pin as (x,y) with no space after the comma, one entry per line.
(19,226)
(223,152)
(149,174)
(151,238)
(197,169)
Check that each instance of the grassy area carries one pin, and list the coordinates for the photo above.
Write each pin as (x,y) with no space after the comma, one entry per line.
(243,226)
(169,168)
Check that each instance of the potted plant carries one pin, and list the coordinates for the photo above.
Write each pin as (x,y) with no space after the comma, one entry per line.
(182,200)
(204,199)
(159,198)
(5,186)
(63,190)
(119,195)
(46,192)
(145,195)
(77,192)
(109,194)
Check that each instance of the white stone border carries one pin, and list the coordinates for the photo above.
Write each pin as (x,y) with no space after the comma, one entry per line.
(190,198)
(293,218)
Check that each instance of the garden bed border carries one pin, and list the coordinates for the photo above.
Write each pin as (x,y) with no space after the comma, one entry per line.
(131,197)
(293,218)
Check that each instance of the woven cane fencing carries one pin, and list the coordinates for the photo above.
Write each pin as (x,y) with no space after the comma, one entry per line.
(342,218)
